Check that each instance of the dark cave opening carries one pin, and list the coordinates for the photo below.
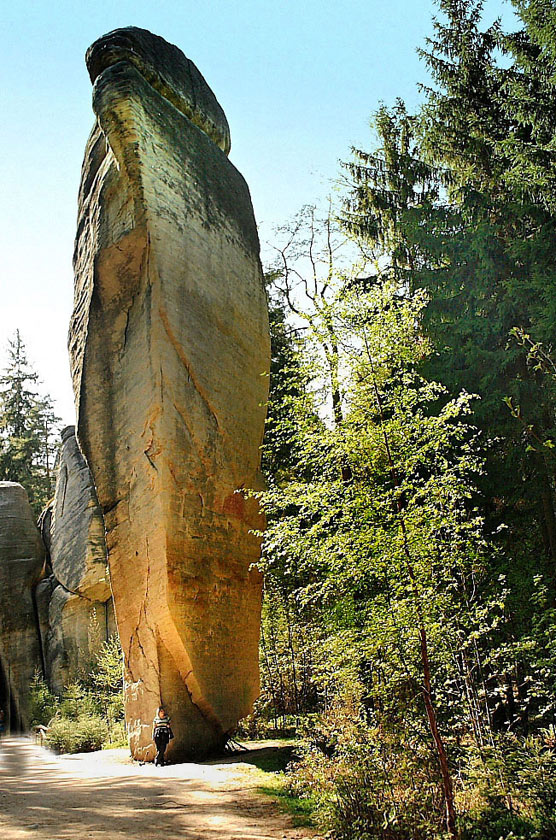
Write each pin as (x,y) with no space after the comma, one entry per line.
(12,719)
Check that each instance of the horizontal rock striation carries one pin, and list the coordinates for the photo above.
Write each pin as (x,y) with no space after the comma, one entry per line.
(168,71)
(169,348)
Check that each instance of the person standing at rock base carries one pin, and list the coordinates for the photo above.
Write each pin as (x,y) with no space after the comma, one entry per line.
(162,733)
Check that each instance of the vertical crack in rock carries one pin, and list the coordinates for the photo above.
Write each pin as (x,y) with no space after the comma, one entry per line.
(169,345)
(151,660)
(188,367)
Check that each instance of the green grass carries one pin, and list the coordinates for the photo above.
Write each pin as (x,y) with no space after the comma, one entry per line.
(273,762)
(300,810)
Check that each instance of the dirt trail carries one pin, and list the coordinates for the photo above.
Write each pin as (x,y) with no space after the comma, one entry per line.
(105,794)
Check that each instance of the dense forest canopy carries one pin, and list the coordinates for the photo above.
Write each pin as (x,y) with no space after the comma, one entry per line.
(410,553)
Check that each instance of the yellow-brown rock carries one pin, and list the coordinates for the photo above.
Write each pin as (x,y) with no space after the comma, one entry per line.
(170,350)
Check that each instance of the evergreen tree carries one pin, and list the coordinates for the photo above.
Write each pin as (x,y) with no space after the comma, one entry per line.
(391,189)
(529,103)
(18,393)
(491,272)
(28,428)
(480,244)
(288,382)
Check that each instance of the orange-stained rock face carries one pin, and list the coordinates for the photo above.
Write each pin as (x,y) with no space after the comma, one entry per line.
(170,353)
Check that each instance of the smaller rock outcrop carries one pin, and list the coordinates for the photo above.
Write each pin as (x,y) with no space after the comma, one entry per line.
(76,544)
(74,605)
(22,557)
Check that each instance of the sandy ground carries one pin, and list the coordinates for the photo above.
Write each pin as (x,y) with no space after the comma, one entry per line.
(105,794)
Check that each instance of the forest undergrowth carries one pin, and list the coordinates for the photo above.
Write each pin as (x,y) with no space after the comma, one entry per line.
(88,715)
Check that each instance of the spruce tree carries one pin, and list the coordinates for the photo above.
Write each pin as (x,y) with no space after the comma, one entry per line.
(28,427)
(480,245)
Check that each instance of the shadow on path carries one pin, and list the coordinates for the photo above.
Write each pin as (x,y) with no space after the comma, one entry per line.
(269,759)
(56,798)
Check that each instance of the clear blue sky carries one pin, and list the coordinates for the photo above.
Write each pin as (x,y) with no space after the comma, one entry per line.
(298,80)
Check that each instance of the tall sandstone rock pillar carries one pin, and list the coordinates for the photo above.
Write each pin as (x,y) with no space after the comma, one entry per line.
(169,347)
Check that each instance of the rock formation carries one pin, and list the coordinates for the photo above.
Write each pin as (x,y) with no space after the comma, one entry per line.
(169,348)
(75,604)
(21,567)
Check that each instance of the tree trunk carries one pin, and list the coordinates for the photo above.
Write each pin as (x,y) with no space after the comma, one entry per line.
(447,784)
(439,743)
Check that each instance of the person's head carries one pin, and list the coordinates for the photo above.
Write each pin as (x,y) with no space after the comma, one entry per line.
(161,712)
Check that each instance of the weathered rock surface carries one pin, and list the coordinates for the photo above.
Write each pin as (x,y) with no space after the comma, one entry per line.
(75,605)
(21,567)
(77,544)
(76,629)
(169,346)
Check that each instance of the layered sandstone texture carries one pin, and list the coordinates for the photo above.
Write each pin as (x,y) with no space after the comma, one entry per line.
(75,604)
(169,348)
(21,567)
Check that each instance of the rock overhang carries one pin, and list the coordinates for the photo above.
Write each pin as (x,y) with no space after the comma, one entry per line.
(168,71)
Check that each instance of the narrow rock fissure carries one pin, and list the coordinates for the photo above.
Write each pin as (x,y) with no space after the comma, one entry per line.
(40,640)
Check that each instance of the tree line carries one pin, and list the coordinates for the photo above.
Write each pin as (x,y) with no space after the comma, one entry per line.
(409,618)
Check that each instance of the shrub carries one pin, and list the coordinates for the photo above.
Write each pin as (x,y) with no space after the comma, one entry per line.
(366,794)
(368,783)
(43,704)
(90,713)
(511,788)
(78,702)
(85,733)
(498,824)
(373,783)
(117,736)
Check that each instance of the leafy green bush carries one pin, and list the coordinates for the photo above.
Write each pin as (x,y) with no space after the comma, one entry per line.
(371,783)
(90,714)
(498,824)
(510,789)
(85,733)
(367,795)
